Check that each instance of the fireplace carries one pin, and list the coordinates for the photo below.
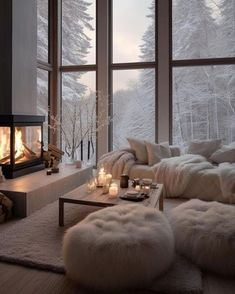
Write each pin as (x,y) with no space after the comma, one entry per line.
(21,144)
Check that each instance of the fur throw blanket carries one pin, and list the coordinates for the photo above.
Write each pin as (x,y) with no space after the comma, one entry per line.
(192,176)
(117,162)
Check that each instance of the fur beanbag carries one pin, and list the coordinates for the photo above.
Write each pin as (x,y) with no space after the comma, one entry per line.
(205,233)
(120,247)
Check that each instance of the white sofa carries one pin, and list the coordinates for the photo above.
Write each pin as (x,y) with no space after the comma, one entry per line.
(188,176)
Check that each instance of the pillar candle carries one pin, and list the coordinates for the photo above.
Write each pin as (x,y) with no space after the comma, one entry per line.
(113,190)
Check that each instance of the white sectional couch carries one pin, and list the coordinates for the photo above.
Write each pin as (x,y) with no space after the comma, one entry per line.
(201,174)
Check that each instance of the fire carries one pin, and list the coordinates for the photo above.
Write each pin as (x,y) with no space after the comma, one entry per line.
(26,144)
(19,147)
(4,142)
(5,145)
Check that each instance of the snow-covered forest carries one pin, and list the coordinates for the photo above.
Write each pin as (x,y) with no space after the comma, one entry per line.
(203,96)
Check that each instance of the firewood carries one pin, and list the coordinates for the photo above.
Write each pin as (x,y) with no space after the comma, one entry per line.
(29,155)
(52,147)
(28,150)
(5,159)
(56,152)
(19,157)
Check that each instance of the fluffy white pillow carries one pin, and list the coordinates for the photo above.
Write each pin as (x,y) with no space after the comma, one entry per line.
(157,151)
(232,144)
(204,147)
(224,154)
(140,149)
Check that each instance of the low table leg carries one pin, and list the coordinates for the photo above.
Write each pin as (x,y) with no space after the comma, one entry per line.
(161,202)
(61,212)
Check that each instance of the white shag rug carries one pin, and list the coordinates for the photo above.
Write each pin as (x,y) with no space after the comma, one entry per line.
(205,233)
(36,241)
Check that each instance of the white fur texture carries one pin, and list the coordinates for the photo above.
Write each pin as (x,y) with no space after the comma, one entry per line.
(205,233)
(117,162)
(192,176)
(120,247)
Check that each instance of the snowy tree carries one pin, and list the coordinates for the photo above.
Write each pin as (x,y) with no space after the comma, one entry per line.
(78,104)
(148,51)
(75,43)
(135,106)
(42,30)
(134,114)
(77,100)
(198,102)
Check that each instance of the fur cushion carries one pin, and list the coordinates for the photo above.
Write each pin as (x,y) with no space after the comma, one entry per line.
(204,147)
(225,154)
(120,247)
(205,233)
(157,151)
(140,149)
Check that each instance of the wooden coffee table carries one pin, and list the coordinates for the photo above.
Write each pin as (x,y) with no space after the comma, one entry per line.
(97,198)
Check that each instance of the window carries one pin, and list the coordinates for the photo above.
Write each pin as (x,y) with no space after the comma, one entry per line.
(203,70)
(78,32)
(150,93)
(133,105)
(78,121)
(44,67)
(133,31)
(133,69)
(42,30)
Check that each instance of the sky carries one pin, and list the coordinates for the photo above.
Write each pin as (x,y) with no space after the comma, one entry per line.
(129,25)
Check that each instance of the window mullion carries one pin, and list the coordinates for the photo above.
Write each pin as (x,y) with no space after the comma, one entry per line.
(102,75)
(164,114)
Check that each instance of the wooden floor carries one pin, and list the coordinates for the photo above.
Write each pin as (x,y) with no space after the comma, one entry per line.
(16,279)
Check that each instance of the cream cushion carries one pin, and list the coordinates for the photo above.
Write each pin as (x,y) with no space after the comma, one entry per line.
(119,247)
(156,152)
(140,149)
(224,154)
(204,147)
(141,171)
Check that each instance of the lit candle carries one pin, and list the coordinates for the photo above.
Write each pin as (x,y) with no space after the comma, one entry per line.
(113,190)
(137,187)
(91,185)
(108,179)
(101,177)
(146,190)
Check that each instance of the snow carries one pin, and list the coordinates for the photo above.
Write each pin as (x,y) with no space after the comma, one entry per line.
(203,96)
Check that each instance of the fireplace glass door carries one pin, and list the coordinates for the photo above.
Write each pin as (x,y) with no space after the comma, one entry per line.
(26,144)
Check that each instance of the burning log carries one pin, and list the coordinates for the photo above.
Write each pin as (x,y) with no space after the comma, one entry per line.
(18,158)
(5,159)
(29,150)
(28,153)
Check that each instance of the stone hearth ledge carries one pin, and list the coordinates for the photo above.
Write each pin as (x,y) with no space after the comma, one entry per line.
(33,191)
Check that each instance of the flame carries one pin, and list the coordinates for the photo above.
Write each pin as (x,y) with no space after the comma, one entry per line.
(19,147)
(4,142)
(23,150)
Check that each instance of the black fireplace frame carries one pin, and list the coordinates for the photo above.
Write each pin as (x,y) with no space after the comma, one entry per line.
(13,169)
